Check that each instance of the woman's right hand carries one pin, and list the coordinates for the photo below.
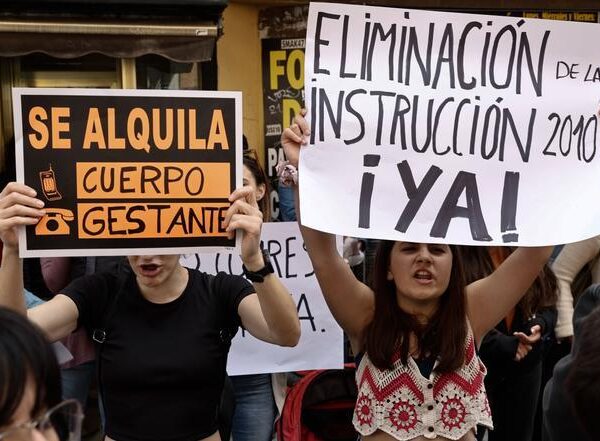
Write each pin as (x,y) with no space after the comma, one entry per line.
(294,136)
(18,206)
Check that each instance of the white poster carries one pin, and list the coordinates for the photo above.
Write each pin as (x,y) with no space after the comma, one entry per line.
(455,128)
(321,342)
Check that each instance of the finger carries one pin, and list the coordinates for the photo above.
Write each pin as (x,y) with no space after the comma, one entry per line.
(293,135)
(241,207)
(245,223)
(302,123)
(17,221)
(246,192)
(537,329)
(522,337)
(16,187)
(19,198)
(21,211)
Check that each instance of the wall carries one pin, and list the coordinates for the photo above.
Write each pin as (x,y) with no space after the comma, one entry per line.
(239,66)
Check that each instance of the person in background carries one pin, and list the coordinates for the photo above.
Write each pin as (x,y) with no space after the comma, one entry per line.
(513,352)
(574,259)
(571,397)
(30,394)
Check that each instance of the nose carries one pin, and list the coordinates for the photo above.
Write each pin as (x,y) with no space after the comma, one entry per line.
(423,255)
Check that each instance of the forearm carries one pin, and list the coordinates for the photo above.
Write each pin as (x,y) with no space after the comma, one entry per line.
(11,280)
(490,299)
(279,311)
(572,258)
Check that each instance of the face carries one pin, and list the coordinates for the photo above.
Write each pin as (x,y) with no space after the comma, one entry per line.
(23,415)
(259,190)
(154,271)
(421,273)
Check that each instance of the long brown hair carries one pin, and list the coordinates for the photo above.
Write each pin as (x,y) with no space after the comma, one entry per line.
(251,161)
(543,293)
(390,330)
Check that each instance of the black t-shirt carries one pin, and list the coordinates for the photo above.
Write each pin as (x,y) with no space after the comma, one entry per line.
(162,366)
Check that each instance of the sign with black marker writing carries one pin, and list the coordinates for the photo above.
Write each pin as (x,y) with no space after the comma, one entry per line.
(321,344)
(127,171)
(445,127)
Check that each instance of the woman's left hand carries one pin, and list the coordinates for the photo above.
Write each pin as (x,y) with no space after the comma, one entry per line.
(526,342)
(244,215)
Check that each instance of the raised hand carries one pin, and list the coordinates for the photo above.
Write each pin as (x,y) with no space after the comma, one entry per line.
(18,206)
(526,342)
(244,215)
(295,136)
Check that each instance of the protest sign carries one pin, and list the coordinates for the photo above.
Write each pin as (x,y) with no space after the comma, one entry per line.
(127,171)
(283,97)
(456,128)
(321,341)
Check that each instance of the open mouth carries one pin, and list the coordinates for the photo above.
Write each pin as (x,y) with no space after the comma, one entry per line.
(149,269)
(423,276)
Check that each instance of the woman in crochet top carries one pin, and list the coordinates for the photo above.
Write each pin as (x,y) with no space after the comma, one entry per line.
(415,332)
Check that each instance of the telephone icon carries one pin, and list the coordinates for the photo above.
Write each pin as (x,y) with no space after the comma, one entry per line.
(49,188)
(55,222)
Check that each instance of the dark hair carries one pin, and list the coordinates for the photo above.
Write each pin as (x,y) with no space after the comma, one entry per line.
(25,355)
(251,161)
(389,332)
(543,293)
(582,384)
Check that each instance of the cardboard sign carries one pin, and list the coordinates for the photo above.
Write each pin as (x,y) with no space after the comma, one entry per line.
(127,171)
(321,341)
(455,128)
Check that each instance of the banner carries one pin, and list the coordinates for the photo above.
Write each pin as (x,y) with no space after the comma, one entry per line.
(321,342)
(455,128)
(127,171)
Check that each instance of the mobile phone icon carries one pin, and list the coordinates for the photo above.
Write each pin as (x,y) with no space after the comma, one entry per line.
(49,187)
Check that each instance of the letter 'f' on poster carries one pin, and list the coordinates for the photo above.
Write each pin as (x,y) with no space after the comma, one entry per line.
(128,171)
(455,128)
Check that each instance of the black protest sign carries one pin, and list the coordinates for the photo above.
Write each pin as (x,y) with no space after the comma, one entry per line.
(127,172)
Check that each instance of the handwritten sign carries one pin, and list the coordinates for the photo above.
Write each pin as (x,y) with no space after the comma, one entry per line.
(456,128)
(321,341)
(125,171)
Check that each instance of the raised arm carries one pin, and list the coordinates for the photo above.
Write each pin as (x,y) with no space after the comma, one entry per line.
(571,259)
(490,299)
(19,207)
(269,315)
(350,301)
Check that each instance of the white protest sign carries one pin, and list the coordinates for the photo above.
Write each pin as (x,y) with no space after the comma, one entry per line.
(457,128)
(321,342)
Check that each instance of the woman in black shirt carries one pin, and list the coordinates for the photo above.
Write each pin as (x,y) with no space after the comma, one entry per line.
(162,363)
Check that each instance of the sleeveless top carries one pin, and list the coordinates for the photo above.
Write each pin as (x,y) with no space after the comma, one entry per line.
(404,404)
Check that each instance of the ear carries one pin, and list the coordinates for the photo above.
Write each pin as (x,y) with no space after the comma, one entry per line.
(390,276)
(260,192)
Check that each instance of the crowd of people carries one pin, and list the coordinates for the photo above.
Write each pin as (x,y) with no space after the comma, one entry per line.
(449,342)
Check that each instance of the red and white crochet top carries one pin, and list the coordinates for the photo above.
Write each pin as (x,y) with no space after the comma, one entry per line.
(404,404)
